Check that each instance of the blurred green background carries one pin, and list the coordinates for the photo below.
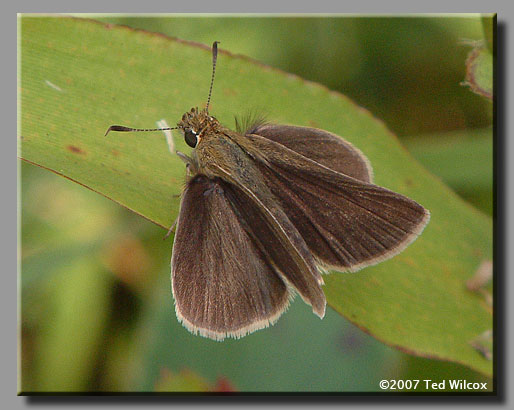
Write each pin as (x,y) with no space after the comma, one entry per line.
(114,269)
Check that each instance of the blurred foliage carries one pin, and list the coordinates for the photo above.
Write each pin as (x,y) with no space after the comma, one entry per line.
(188,381)
(79,250)
(489,26)
(462,159)
(479,70)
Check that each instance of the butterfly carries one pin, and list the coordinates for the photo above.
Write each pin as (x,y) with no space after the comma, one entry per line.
(265,210)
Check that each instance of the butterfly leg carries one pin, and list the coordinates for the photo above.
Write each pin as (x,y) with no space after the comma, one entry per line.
(170,230)
(190,163)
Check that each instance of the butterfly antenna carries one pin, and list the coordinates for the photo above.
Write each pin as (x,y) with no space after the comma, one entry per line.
(121,128)
(214,58)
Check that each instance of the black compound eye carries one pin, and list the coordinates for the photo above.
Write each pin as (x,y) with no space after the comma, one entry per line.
(191,138)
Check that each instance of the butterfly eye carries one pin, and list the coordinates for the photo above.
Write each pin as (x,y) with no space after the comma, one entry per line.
(191,138)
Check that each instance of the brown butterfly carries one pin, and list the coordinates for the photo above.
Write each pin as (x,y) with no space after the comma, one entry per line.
(264,210)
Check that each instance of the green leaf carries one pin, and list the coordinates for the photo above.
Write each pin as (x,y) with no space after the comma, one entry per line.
(78,77)
(462,159)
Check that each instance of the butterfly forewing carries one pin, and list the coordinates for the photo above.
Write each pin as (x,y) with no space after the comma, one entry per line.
(346,223)
(222,282)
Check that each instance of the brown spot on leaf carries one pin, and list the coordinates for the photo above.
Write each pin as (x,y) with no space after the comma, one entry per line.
(409,261)
(166,70)
(76,150)
(229,92)
(115,153)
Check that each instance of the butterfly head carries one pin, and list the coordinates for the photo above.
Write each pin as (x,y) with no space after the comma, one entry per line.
(195,124)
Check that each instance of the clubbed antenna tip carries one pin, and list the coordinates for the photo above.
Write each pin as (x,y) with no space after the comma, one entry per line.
(121,128)
(214,58)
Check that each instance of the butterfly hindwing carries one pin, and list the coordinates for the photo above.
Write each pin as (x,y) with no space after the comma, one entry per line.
(321,146)
(264,217)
